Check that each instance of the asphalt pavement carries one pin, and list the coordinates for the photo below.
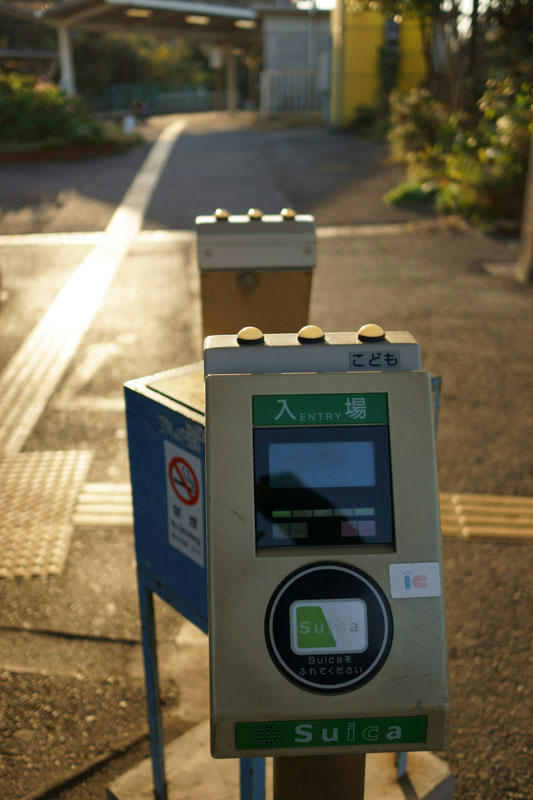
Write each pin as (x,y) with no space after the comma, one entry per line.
(72,699)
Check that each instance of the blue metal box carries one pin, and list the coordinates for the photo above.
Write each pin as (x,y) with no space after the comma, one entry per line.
(165,421)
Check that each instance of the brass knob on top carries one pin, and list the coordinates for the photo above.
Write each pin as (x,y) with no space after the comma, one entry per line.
(371,333)
(222,214)
(288,214)
(255,213)
(310,333)
(250,335)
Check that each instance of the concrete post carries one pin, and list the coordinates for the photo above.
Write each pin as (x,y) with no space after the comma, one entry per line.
(232,93)
(66,62)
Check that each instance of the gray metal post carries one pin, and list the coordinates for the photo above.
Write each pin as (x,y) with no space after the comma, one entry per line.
(252,778)
(151,677)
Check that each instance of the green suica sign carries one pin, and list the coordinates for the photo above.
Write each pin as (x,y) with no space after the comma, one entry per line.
(320,409)
(333,732)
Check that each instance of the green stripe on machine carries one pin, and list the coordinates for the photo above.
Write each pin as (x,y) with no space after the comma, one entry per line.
(320,409)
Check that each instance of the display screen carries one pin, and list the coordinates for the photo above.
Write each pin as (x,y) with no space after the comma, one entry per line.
(325,485)
(316,464)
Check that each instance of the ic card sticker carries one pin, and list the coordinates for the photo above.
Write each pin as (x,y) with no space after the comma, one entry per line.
(185,502)
(415,580)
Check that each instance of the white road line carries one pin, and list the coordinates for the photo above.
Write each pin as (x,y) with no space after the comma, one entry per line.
(175,237)
(90,404)
(88,364)
(53,239)
(34,371)
(186,236)
(381,229)
(91,238)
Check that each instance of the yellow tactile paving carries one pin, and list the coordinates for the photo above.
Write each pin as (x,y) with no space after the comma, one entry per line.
(462,515)
(39,491)
(104,504)
(486,516)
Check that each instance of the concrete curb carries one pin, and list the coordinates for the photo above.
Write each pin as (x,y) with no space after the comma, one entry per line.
(193,775)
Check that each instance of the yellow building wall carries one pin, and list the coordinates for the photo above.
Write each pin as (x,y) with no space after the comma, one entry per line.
(357,70)
(412,61)
(363,36)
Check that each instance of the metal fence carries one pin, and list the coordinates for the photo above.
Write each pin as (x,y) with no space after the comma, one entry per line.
(155,100)
(280,91)
(200,100)
(289,90)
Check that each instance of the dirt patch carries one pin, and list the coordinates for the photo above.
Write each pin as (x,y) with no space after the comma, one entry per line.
(53,731)
(71,153)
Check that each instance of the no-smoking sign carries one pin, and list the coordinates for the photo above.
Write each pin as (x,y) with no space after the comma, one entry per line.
(183,480)
(185,507)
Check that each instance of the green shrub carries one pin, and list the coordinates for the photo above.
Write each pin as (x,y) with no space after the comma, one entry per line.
(476,168)
(34,110)
(372,122)
(485,171)
(412,194)
(365,118)
(419,124)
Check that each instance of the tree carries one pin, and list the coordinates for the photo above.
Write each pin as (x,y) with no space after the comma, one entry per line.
(509,37)
(21,34)
(106,59)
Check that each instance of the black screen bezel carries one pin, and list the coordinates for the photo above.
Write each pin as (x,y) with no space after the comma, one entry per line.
(323,532)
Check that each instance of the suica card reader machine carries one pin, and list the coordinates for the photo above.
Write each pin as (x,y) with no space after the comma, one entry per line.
(326,608)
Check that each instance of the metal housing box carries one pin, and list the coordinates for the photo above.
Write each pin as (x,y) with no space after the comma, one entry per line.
(255,271)
(257,706)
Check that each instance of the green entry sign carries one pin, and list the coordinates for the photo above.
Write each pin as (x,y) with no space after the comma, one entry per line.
(332,732)
(320,409)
